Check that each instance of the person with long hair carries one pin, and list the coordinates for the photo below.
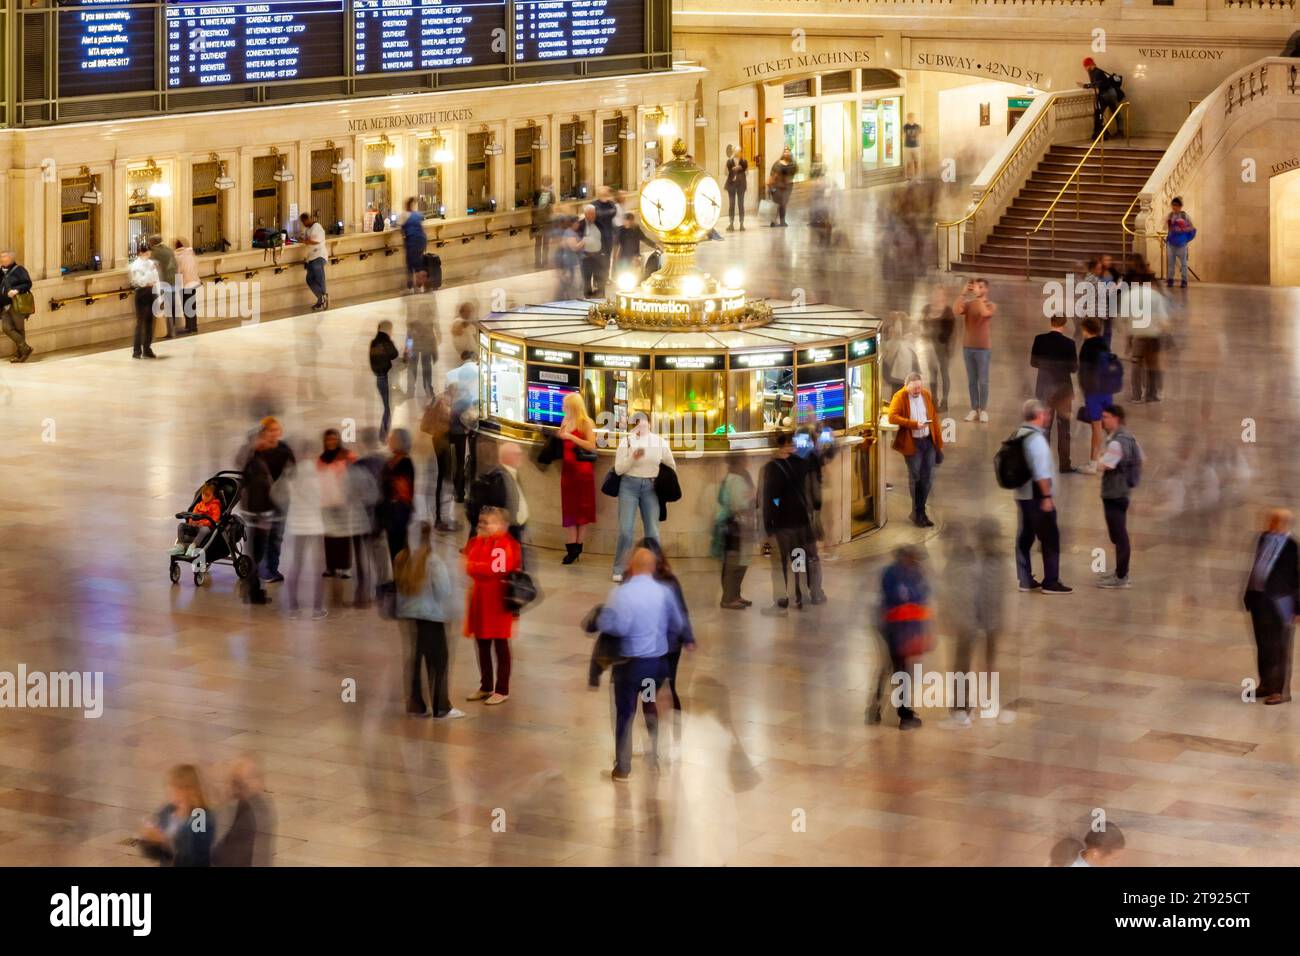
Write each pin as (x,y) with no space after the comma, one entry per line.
(490,556)
(577,432)
(332,466)
(397,491)
(424,602)
(678,637)
(736,531)
(181,833)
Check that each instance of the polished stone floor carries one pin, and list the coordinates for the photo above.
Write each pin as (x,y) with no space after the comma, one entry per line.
(1129,701)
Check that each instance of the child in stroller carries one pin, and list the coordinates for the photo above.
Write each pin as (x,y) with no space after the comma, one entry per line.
(191,532)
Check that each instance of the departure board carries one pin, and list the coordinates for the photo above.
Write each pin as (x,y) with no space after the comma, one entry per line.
(564,29)
(211,43)
(105,49)
(394,35)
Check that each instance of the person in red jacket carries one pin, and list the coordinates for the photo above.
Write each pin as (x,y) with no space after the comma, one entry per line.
(489,556)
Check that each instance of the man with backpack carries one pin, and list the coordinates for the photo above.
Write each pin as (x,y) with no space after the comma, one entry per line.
(382,355)
(1024,463)
(1110,92)
(1121,470)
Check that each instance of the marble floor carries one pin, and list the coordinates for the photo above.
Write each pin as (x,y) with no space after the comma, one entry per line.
(1128,701)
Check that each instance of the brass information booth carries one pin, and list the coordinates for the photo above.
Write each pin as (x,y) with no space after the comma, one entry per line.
(719,374)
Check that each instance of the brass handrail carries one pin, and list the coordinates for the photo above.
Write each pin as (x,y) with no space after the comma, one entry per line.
(988,190)
(1123,222)
(1076,176)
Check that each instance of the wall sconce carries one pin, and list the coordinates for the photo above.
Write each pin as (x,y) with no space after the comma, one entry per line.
(583,138)
(282,174)
(223,181)
(492,147)
(441,154)
(624,131)
(539,141)
(701,120)
(336,167)
(392,158)
(92,196)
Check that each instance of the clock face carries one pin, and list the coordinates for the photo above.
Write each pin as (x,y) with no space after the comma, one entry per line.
(663,205)
(708,202)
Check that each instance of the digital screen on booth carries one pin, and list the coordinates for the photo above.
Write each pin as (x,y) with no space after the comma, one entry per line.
(395,35)
(821,402)
(565,29)
(216,44)
(105,49)
(546,403)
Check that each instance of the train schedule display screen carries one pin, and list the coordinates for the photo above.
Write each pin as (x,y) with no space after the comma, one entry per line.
(105,48)
(546,403)
(568,29)
(396,35)
(822,402)
(217,44)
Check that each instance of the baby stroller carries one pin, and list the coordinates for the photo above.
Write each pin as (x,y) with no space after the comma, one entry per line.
(225,544)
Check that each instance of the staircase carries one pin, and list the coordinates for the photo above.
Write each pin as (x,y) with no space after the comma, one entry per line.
(1097,230)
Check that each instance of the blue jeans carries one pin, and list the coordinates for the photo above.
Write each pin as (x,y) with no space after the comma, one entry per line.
(316,277)
(1173,256)
(920,474)
(977,377)
(634,493)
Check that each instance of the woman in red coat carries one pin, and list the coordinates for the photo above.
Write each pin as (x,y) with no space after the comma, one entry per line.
(489,557)
(578,479)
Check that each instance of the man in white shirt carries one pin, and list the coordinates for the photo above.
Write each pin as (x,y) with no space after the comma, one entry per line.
(1037,507)
(314,261)
(463,384)
(638,457)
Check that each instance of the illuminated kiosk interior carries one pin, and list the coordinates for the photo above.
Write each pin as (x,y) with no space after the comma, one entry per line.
(719,373)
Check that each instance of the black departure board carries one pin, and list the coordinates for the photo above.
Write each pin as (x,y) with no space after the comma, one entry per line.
(395,35)
(105,48)
(565,29)
(211,43)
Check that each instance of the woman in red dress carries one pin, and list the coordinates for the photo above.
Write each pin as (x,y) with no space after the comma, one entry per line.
(578,479)
(489,557)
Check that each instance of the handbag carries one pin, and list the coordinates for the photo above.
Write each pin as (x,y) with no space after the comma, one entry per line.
(520,591)
(766,209)
(611,483)
(24,303)
(582,454)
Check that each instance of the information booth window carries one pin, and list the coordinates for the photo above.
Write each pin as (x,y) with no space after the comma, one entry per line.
(616,385)
(760,391)
(325,189)
(79,229)
(505,378)
(379,184)
(572,176)
(861,383)
(528,152)
(552,376)
(478,174)
(820,388)
(207,207)
(430,154)
(611,148)
(690,390)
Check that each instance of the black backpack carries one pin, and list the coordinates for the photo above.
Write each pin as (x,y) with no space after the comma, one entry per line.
(381,360)
(1134,458)
(1110,373)
(1011,464)
(433,267)
(488,490)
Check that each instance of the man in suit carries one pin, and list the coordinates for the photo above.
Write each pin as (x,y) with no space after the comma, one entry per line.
(1273,597)
(1056,357)
(919,441)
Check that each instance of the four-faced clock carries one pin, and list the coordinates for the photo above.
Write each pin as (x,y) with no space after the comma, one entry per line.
(708,202)
(663,205)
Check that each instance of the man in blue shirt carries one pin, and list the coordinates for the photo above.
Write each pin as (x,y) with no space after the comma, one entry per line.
(1036,504)
(640,612)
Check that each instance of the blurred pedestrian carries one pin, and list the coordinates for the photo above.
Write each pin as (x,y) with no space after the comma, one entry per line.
(181,832)
(187,282)
(905,626)
(1103,847)
(333,467)
(735,531)
(1273,598)
(919,440)
(787,521)
(628,240)
(1054,355)
(143,276)
(1094,361)
(594,258)
(976,311)
(912,147)
(973,586)
(425,603)
(397,491)
(313,237)
(250,839)
(938,325)
(737,182)
(463,427)
(421,349)
(414,241)
(163,255)
(436,423)
(15,282)
(263,462)
(382,354)
(679,635)
(499,488)
(299,494)
(490,556)
(1036,504)
(780,184)
(577,432)
(542,216)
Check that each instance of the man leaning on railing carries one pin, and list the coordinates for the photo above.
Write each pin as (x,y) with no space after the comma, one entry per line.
(1109,89)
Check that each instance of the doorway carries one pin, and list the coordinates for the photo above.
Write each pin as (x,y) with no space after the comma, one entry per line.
(1284,228)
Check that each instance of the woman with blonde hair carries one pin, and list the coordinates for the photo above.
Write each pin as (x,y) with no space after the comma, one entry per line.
(181,834)
(577,432)
(424,602)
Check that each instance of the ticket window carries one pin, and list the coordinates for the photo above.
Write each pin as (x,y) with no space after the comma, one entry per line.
(527,161)
(611,146)
(693,400)
(79,230)
(207,209)
(572,176)
(478,174)
(269,210)
(506,387)
(325,190)
(429,179)
(614,395)
(760,400)
(379,186)
(143,210)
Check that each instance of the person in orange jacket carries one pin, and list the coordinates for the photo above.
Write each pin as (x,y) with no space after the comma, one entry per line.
(489,557)
(919,440)
(191,533)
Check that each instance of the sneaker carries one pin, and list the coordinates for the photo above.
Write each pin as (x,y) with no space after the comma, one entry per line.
(1112,581)
(1089,469)
(1031,586)
(984,417)
(958,721)
(616,578)
(149,354)
(909,723)
(971,416)
(320,615)
(1056,587)
(454,714)
(273,579)
(480,695)
(191,551)
(774,611)
(732,605)
(178,550)
(497,699)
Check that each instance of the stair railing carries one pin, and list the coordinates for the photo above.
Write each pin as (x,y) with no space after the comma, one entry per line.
(1030,136)
(1075,178)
